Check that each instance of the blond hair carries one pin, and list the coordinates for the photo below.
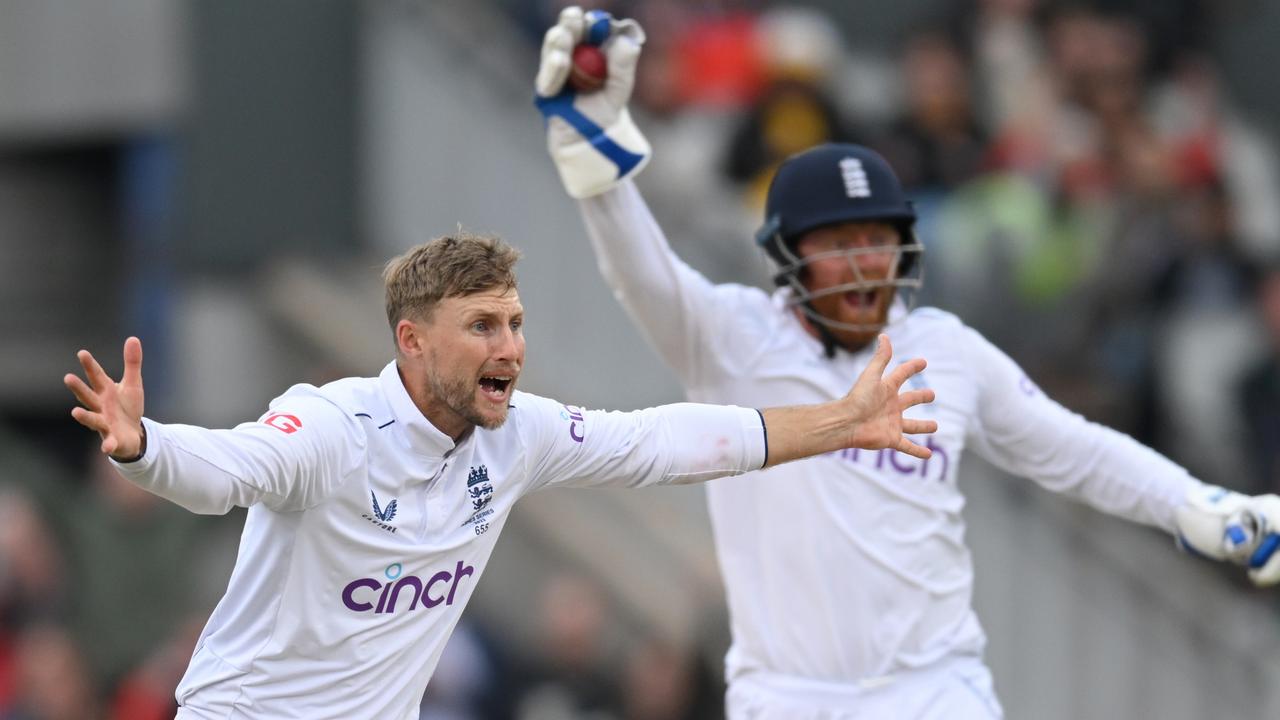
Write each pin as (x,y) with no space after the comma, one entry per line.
(448,266)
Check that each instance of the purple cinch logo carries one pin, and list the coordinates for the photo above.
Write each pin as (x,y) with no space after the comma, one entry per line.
(395,584)
(902,464)
(577,423)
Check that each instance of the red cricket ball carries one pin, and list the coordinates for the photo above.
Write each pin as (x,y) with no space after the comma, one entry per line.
(589,68)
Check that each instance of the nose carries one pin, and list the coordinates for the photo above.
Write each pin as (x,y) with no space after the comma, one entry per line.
(875,261)
(506,345)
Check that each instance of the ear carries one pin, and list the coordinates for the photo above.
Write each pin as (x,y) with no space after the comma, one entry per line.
(410,341)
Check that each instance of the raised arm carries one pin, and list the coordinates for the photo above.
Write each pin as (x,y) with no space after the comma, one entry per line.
(597,148)
(676,308)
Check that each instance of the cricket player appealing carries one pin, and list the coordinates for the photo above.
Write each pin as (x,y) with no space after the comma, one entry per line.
(374,503)
(848,581)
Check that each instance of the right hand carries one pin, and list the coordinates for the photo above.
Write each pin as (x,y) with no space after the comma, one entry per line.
(591,136)
(113,409)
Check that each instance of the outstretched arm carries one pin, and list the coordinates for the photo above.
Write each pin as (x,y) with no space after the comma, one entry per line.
(286,466)
(870,417)
(1026,433)
(690,442)
(113,409)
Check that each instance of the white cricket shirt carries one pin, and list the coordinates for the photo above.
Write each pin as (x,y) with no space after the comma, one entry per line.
(368,529)
(852,565)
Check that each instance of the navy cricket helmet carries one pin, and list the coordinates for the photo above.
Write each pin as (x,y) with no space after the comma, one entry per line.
(831,184)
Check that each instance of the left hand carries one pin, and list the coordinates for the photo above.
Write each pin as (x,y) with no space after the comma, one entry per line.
(1226,525)
(591,136)
(876,405)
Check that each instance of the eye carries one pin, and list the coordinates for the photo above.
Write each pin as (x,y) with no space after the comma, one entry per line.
(516,325)
(480,326)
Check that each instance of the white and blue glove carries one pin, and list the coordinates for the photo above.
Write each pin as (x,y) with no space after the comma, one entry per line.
(591,137)
(1225,525)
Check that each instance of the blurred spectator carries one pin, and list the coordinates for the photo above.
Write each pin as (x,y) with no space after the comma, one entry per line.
(1258,394)
(1201,360)
(32,583)
(1084,87)
(1176,27)
(467,683)
(135,569)
(1007,49)
(1210,270)
(658,76)
(792,115)
(1214,142)
(32,570)
(147,692)
(661,682)
(936,145)
(718,59)
(575,675)
(796,108)
(53,679)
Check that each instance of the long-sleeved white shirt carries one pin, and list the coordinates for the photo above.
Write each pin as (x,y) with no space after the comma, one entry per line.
(368,529)
(852,565)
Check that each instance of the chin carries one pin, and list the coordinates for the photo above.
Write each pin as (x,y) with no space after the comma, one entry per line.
(491,420)
(855,341)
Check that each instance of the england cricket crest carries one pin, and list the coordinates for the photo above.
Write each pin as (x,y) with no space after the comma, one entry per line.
(479,492)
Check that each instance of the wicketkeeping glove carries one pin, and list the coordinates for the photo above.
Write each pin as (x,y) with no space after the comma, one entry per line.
(591,136)
(1225,525)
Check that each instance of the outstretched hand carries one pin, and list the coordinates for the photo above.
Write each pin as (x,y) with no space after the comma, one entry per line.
(876,404)
(868,418)
(113,409)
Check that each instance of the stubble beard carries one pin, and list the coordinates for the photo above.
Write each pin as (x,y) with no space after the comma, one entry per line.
(459,396)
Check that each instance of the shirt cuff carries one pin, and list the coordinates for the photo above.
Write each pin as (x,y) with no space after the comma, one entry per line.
(764,435)
(755,442)
(148,453)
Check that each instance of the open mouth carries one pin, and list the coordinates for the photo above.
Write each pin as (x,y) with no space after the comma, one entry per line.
(495,387)
(863,300)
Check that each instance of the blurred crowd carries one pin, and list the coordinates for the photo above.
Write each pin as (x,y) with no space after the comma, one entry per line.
(101,594)
(1090,199)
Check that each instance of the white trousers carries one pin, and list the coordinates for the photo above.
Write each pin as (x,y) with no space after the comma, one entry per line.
(954,689)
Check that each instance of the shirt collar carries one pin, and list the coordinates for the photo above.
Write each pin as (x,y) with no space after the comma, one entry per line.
(424,438)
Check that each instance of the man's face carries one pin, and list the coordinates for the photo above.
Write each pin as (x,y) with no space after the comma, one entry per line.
(845,254)
(473,349)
